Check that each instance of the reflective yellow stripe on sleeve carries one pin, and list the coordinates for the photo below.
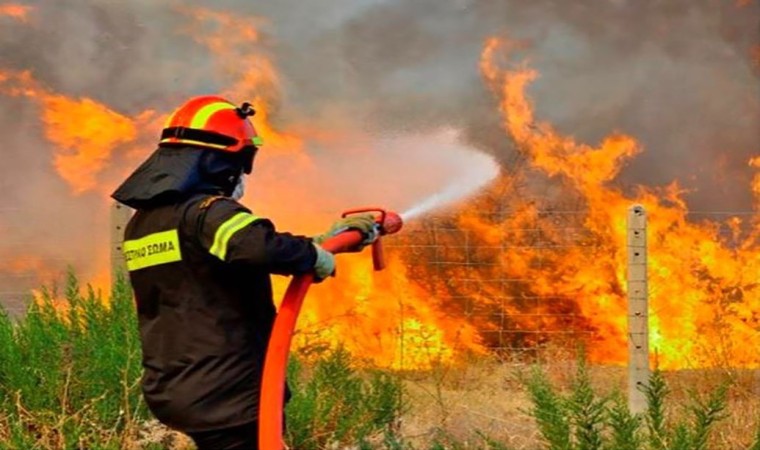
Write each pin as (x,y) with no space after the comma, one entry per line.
(152,250)
(227,230)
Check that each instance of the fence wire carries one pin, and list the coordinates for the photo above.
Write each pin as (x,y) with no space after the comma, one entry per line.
(465,270)
(469,274)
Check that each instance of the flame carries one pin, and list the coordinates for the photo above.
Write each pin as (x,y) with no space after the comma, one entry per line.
(86,134)
(386,317)
(26,264)
(496,273)
(704,293)
(37,267)
(15,11)
(234,41)
(83,131)
(755,163)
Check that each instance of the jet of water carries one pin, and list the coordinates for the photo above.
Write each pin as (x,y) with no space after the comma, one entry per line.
(462,188)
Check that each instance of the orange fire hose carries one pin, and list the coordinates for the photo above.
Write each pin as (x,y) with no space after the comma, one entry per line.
(275,364)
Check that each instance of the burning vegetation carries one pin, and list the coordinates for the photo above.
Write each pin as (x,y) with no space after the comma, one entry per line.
(536,258)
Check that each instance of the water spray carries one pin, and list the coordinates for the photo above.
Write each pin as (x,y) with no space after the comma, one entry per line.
(449,194)
(275,364)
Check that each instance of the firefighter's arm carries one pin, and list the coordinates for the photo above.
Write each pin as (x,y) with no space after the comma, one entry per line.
(231,233)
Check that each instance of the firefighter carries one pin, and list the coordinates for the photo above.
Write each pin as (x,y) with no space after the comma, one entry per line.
(199,263)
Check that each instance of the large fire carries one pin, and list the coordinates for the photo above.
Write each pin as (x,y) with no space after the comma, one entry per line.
(704,290)
(517,276)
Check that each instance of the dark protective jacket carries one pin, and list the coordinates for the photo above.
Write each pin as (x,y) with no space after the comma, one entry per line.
(200,272)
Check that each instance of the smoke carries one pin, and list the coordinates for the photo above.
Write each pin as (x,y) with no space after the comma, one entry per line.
(677,75)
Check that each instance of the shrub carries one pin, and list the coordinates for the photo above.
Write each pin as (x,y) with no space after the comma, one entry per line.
(337,404)
(69,370)
(582,420)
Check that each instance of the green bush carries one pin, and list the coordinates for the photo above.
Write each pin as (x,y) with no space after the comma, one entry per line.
(583,420)
(69,370)
(338,405)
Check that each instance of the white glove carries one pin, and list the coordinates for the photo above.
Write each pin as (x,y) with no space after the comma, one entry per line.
(325,265)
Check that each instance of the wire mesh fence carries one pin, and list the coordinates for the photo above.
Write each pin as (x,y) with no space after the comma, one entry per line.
(470,275)
(499,276)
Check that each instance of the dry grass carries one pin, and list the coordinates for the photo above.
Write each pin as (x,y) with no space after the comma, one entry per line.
(486,396)
(153,433)
(481,396)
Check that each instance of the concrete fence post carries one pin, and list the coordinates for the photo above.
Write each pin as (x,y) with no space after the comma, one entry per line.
(120,215)
(638,309)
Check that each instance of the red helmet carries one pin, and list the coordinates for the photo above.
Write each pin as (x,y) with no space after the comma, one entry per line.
(211,122)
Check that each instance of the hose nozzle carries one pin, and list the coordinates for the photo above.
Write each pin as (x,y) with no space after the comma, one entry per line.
(388,223)
(392,223)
